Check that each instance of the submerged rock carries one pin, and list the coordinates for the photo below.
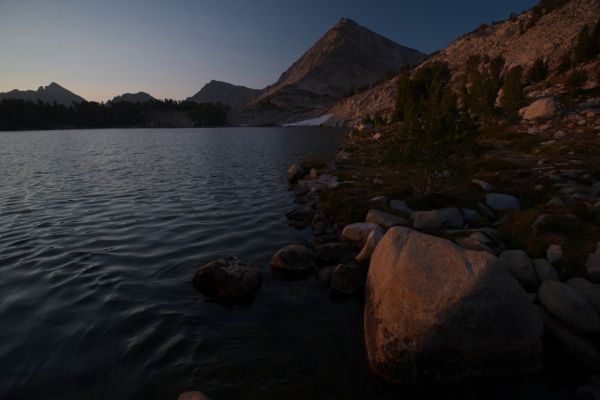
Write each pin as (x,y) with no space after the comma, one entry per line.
(347,278)
(295,173)
(293,260)
(228,280)
(588,290)
(437,312)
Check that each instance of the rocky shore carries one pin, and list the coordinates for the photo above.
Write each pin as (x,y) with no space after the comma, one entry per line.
(478,279)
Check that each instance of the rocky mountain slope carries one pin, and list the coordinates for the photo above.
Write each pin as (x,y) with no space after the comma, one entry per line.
(224,93)
(520,40)
(348,57)
(49,94)
(140,97)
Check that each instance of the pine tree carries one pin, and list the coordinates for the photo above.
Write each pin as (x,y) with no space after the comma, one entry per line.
(512,97)
(538,71)
(585,47)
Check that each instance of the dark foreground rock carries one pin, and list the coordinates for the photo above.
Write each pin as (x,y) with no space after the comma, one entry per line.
(437,312)
(193,396)
(228,280)
(347,278)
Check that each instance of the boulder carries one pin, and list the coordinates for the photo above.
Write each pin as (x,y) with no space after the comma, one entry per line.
(228,280)
(400,207)
(192,396)
(329,181)
(502,202)
(592,265)
(563,302)
(371,243)
(588,290)
(294,260)
(324,275)
(545,271)
(331,253)
(519,265)
(445,218)
(469,215)
(357,233)
(437,312)
(385,220)
(295,173)
(347,278)
(540,109)
(584,350)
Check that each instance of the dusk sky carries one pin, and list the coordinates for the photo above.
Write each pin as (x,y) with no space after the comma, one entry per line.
(99,49)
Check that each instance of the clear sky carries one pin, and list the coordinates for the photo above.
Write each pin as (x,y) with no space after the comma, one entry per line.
(171,48)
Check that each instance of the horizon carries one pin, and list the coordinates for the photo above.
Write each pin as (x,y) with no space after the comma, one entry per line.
(102,50)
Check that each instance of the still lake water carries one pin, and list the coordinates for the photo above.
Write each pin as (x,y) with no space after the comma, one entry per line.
(100,234)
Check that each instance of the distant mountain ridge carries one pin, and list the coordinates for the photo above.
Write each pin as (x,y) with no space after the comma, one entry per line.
(140,97)
(225,93)
(49,94)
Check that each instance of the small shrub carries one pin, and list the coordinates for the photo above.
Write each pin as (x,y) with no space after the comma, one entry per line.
(576,80)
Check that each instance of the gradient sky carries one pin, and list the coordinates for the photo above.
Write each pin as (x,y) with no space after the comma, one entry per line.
(100,49)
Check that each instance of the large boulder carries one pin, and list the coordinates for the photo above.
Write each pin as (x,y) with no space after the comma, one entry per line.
(228,280)
(437,312)
(293,260)
(563,302)
(540,109)
(519,265)
(384,219)
(445,218)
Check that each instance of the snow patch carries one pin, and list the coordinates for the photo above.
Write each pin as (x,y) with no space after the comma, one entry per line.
(311,122)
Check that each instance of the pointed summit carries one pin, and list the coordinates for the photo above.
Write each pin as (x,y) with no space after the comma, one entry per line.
(224,93)
(49,94)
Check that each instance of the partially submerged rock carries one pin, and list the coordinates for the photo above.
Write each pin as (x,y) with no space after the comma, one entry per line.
(347,278)
(295,173)
(228,280)
(437,312)
(563,302)
(293,260)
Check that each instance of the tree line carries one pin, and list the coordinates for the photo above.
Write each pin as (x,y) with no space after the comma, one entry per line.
(28,115)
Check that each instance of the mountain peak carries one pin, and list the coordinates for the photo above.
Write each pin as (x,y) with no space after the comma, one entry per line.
(224,93)
(49,94)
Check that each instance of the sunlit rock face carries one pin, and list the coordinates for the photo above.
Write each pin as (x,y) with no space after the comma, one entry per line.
(435,312)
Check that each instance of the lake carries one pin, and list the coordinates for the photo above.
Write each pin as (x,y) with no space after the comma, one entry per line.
(101,233)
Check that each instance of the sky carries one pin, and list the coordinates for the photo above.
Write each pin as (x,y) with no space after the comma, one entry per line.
(171,48)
